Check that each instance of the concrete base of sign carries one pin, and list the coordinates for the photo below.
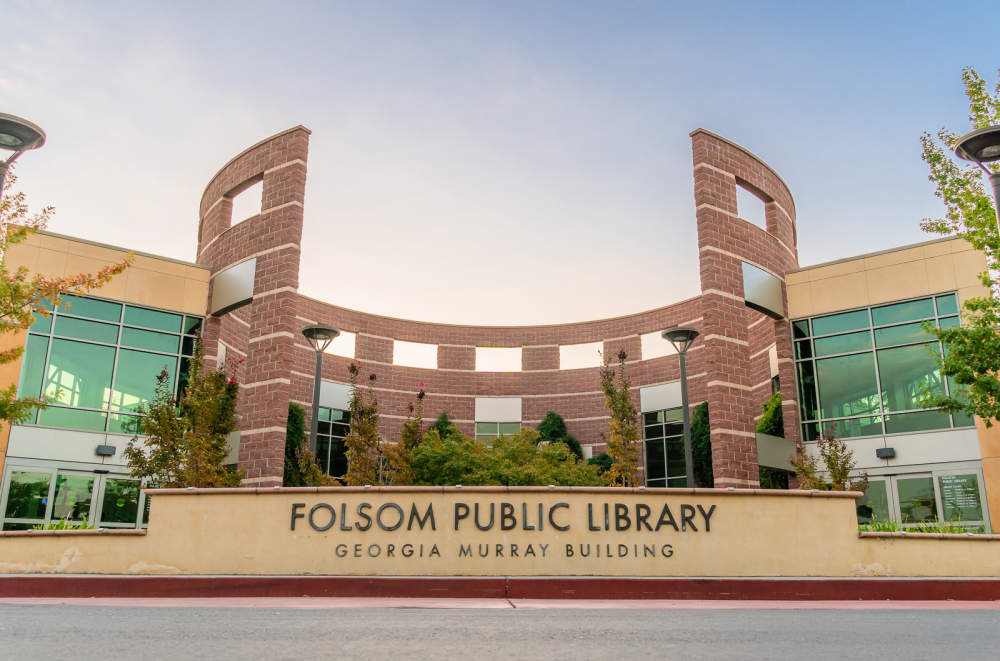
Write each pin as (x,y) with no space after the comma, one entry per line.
(501,532)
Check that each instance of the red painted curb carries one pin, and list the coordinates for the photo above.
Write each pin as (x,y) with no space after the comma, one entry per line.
(679,589)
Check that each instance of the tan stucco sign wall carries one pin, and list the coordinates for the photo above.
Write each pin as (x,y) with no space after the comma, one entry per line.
(495,532)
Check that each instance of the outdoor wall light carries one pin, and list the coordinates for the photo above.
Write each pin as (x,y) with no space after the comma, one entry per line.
(320,336)
(983,146)
(682,337)
(17,135)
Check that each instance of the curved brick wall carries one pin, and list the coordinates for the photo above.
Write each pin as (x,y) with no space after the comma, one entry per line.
(728,366)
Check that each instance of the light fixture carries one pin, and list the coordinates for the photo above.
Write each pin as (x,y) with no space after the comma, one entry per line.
(17,135)
(320,336)
(983,146)
(682,337)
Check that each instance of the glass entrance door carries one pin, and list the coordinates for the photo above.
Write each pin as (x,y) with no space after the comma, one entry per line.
(43,496)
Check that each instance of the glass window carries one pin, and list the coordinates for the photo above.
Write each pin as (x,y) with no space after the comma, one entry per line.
(896,335)
(803,349)
(33,366)
(192,325)
(851,342)
(656,460)
(188,346)
(143,339)
(808,403)
(79,374)
(874,504)
(847,385)
(125,424)
(800,329)
(487,431)
(121,501)
(960,497)
(949,322)
(331,452)
(839,323)
(509,427)
(41,324)
(856,427)
(154,319)
(135,378)
(902,371)
(28,495)
(900,423)
(91,308)
(900,312)
(664,449)
(72,498)
(947,304)
(86,330)
(67,418)
(917,502)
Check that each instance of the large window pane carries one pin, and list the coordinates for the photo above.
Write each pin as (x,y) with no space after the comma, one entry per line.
(874,505)
(829,346)
(57,416)
(83,329)
(800,329)
(41,324)
(192,324)
(125,424)
(896,335)
(807,391)
(33,366)
(916,499)
(73,496)
(486,428)
(839,323)
(28,495)
(338,458)
(803,350)
(960,497)
(510,427)
(121,501)
(91,308)
(947,304)
(656,462)
(675,458)
(153,319)
(135,378)
(900,312)
(847,386)
(143,339)
(856,427)
(902,371)
(901,423)
(79,374)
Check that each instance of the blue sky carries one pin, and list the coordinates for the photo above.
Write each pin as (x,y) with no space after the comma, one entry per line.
(493,163)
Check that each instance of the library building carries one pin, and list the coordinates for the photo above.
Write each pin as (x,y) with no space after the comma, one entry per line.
(843,342)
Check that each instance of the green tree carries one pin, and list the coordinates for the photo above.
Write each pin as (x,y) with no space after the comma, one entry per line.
(772,423)
(443,424)
(301,468)
(553,430)
(971,359)
(398,458)
(24,298)
(364,452)
(701,447)
(602,461)
(623,444)
(185,441)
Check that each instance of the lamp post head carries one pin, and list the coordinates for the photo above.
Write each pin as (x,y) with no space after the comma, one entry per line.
(19,135)
(980,146)
(682,337)
(320,336)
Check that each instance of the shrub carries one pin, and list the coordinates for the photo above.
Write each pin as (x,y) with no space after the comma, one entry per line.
(602,461)
(838,460)
(701,447)
(443,425)
(553,430)
(66,524)
(772,422)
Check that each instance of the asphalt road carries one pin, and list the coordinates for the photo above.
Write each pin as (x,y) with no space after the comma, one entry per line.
(115,632)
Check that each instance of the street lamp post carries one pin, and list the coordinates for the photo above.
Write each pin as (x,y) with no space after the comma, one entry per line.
(17,135)
(320,336)
(682,338)
(983,146)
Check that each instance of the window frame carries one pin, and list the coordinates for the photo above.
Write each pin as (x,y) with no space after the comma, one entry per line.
(666,479)
(487,438)
(812,427)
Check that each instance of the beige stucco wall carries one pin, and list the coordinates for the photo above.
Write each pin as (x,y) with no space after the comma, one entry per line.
(152,281)
(908,272)
(750,534)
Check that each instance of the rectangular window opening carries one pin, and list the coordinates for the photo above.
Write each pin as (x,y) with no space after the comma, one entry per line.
(580,356)
(654,346)
(498,359)
(248,203)
(414,354)
(343,345)
(750,208)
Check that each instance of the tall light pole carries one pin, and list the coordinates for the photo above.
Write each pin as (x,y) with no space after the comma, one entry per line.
(17,135)
(983,146)
(320,336)
(682,337)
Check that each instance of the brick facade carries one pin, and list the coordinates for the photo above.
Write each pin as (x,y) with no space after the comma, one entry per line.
(728,366)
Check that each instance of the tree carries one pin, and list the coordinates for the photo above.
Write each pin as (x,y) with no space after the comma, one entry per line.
(398,458)
(701,447)
(514,460)
(602,461)
(443,424)
(301,468)
(971,358)
(623,445)
(838,460)
(22,299)
(553,430)
(185,441)
(364,452)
